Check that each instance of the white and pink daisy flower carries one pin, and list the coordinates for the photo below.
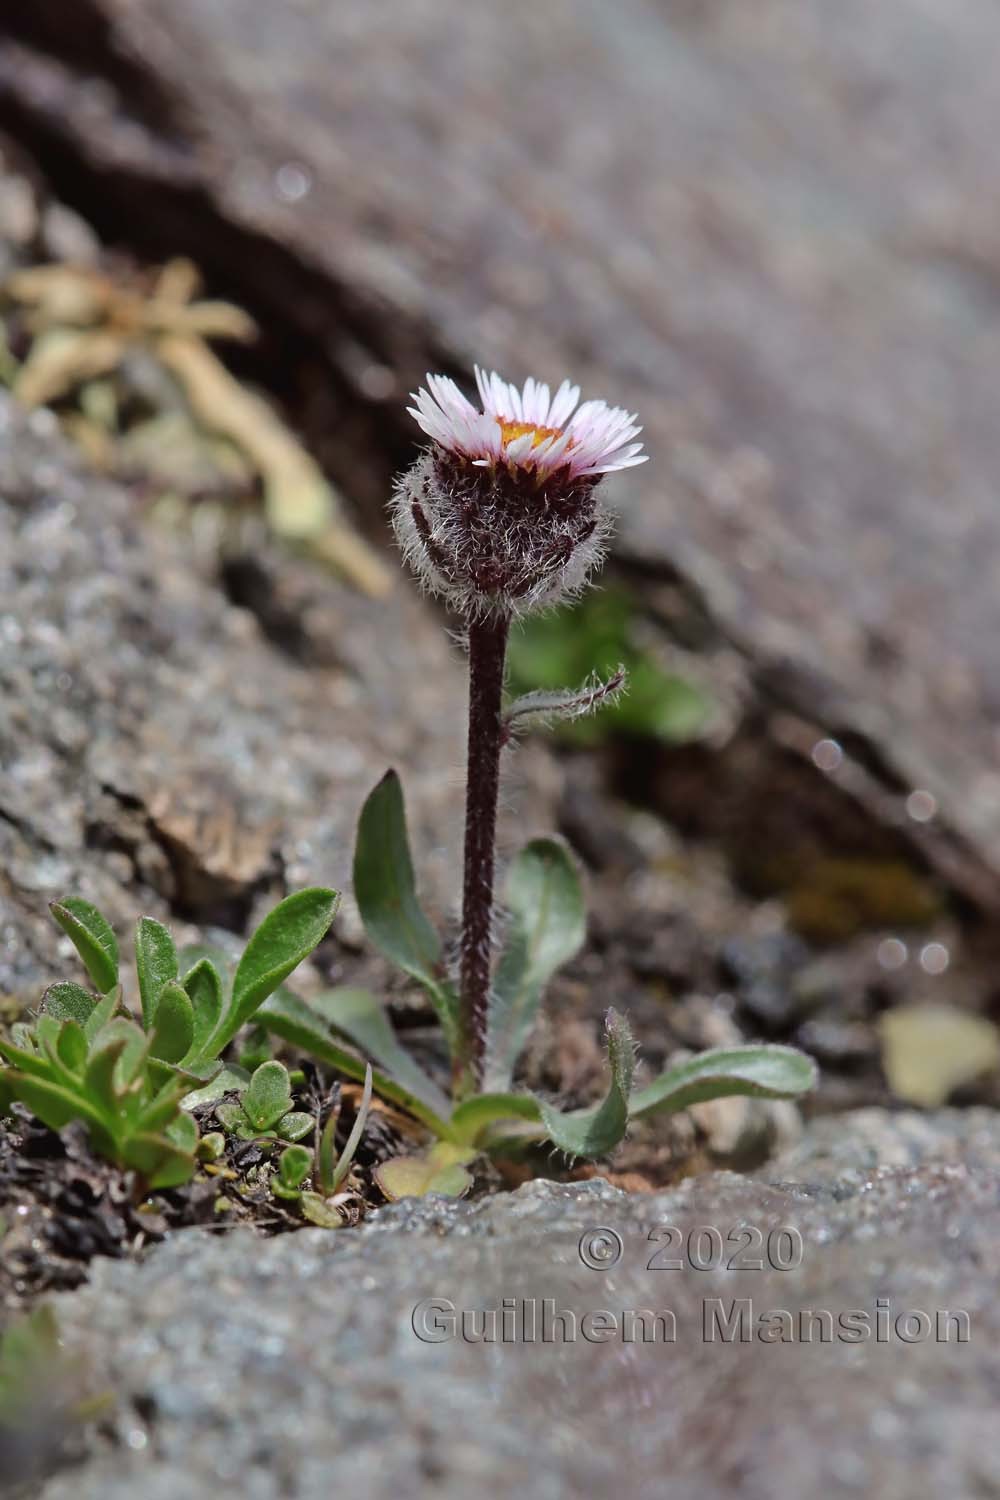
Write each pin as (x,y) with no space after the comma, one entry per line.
(528,429)
(501,513)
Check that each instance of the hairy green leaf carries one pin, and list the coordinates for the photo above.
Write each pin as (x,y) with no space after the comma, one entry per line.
(291,1018)
(183,1131)
(26,1060)
(47,1030)
(173,1024)
(164,1106)
(54,1104)
(385,890)
(286,936)
(547,928)
(116,1056)
(269,1095)
(357,1015)
(595,1132)
(203,984)
(103,1012)
(552,705)
(92,937)
(191,955)
(764,1072)
(294,1166)
(155,964)
(596,635)
(295,1126)
(68,1002)
(72,1046)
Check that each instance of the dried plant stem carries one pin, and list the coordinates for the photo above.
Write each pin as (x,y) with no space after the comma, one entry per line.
(487,653)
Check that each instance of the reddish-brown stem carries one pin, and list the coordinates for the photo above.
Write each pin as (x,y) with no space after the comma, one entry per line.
(487,652)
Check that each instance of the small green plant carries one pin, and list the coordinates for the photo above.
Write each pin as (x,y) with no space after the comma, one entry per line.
(294,1165)
(546,927)
(500,516)
(263,1109)
(325,1205)
(86,1058)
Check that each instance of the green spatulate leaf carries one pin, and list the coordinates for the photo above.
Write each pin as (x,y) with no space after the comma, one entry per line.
(547,928)
(386,893)
(764,1072)
(92,937)
(286,936)
(155,964)
(173,1028)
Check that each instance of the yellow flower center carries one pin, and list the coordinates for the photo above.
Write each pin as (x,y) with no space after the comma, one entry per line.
(512,430)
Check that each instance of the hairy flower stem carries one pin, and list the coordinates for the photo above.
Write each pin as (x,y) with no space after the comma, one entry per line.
(487,651)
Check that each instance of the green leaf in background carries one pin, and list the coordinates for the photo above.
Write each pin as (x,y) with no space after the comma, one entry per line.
(596,1131)
(287,1016)
(269,1096)
(92,937)
(386,893)
(596,636)
(173,1024)
(357,1015)
(548,926)
(286,936)
(155,965)
(68,1002)
(203,984)
(764,1072)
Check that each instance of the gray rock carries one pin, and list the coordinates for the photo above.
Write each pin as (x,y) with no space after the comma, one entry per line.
(767,234)
(159,753)
(290,1367)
